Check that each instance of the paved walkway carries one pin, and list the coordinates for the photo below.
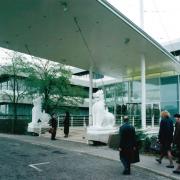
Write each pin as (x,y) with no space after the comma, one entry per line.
(79,144)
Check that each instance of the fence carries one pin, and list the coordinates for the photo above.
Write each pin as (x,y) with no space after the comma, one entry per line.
(135,120)
(75,121)
(6,122)
(18,126)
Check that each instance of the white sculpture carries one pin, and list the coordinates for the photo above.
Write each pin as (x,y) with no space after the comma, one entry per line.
(102,118)
(39,119)
(45,117)
(103,121)
(36,110)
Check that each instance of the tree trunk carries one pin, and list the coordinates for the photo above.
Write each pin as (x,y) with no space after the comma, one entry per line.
(46,105)
(14,119)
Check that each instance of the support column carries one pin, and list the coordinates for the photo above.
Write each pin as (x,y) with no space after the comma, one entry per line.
(143,92)
(178,92)
(90,96)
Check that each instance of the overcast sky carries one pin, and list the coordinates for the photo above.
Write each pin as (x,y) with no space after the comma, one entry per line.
(161,17)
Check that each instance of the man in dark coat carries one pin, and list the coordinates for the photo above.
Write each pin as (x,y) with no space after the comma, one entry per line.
(127,145)
(166,137)
(53,123)
(66,124)
(177,141)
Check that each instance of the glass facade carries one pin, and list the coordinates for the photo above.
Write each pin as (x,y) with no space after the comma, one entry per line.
(162,93)
(169,94)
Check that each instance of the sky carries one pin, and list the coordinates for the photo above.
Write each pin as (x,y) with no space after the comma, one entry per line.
(161,17)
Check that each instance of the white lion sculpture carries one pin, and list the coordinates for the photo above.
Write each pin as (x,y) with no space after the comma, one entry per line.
(38,117)
(101,117)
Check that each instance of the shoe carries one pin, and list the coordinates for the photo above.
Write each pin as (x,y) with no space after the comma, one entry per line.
(158,160)
(54,139)
(170,166)
(176,171)
(126,172)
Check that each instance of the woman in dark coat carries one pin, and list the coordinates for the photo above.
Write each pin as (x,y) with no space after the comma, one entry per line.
(177,141)
(127,145)
(66,124)
(53,123)
(166,137)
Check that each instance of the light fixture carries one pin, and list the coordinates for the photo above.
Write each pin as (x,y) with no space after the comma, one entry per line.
(64,4)
(126,40)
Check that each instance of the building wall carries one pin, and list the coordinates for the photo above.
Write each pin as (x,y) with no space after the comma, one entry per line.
(162,93)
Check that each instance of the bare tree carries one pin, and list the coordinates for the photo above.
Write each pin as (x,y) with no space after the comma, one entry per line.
(15,91)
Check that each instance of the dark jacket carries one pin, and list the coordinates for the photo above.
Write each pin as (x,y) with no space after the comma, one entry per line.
(127,136)
(166,131)
(177,135)
(66,124)
(53,122)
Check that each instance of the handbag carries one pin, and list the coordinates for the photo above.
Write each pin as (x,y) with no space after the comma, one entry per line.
(135,158)
(156,147)
(51,130)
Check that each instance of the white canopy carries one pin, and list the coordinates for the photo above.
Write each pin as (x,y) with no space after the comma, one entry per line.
(81,33)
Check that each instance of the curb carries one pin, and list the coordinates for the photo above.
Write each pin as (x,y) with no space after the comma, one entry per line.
(158,172)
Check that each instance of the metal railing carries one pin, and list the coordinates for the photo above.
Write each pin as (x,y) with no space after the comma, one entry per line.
(135,120)
(83,121)
(75,121)
(19,117)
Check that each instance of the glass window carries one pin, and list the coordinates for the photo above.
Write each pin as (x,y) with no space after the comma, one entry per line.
(136,87)
(172,107)
(169,88)
(152,90)
(4,85)
(3,109)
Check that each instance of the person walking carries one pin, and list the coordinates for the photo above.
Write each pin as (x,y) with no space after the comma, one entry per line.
(127,145)
(53,123)
(176,141)
(66,124)
(166,138)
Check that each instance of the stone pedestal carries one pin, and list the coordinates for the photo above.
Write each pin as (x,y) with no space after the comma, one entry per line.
(113,141)
(38,128)
(100,134)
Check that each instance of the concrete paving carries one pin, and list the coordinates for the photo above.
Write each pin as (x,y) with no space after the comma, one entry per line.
(26,161)
(78,143)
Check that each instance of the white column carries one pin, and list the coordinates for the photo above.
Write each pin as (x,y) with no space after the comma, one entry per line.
(90,95)
(143,92)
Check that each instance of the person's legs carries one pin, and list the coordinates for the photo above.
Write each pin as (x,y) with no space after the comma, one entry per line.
(170,157)
(177,171)
(159,160)
(126,165)
(53,134)
(162,153)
